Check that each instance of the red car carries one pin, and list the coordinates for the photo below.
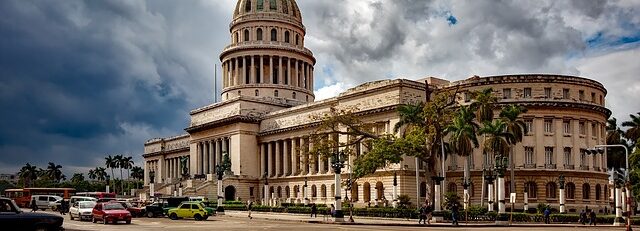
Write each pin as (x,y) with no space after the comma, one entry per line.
(110,212)
(135,212)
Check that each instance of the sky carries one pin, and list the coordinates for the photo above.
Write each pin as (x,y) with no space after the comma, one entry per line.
(80,80)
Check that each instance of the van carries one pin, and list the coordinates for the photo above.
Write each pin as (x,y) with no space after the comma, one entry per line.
(75,199)
(42,201)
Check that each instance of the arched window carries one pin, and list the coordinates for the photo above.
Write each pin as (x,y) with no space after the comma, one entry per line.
(606,192)
(507,189)
(272,5)
(366,192)
(551,190)
(452,188)
(531,188)
(294,95)
(247,6)
(307,98)
(598,191)
(286,36)
(379,190)
(275,93)
(323,191)
(279,192)
(274,35)
(354,191)
(287,191)
(586,191)
(472,192)
(295,191)
(297,40)
(260,5)
(235,37)
(333,190)
(571,190)
(246,35)
(271,191)
(257,93)
(259,34)
(423,189)
(314,191)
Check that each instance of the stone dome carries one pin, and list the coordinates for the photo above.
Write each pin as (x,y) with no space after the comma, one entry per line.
(287,8)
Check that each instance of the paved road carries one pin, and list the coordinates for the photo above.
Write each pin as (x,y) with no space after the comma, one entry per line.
(244,224)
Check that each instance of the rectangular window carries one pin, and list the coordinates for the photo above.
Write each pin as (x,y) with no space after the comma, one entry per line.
(251,191)
(593,97)
(548,126)
(467,97)
(548,155)
(593,130)
(506,93)
(529,126)
(565,93)
(488,160)
(582,128)
(527,92)
(528,155)
(547,92)
(567,156)
(581,95)
(601,101)
(583,160)
(567,127)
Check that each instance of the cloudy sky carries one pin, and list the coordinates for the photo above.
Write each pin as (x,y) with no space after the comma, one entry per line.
(83,79)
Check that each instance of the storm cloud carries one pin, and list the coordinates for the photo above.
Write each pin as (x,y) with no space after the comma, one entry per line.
(83,79)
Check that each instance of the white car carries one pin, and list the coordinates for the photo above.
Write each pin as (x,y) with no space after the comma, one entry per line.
(82,210)
(43,201)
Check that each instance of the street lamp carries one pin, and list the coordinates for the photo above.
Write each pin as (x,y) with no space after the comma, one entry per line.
(501,166)
(266,188)
(561,182)
(337,164)
(304,193)
(488,177)
(221,168)
(599,149)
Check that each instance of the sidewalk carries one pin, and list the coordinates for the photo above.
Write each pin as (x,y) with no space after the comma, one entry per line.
(378,221)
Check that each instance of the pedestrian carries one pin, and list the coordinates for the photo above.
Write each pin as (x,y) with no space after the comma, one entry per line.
(454,214)
(429,211)
(592,217)
(34,206)
(333,210)
(547,214)
(583,217)
(423,214)
(249,207)
(314,210)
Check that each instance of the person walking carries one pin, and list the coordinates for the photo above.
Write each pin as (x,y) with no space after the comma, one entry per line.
(454,214)
(333,210)
(314,210)
(592,217)
(583,217)
(423,214)
(34,206)
(547,214)
(249,207)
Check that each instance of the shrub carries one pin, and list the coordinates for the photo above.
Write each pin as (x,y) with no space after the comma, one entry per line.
(541,207)
(404,201)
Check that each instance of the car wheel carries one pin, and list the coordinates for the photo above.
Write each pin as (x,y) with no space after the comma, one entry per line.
(53,208)
(128,221)
(104,221)
(150,214)
(205,218)
(173,216)
(43,209)
(197,217)
(41,228)
(71,216)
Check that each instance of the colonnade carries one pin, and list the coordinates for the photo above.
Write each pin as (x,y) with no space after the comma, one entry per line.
(210,154)
(173,167)
(291,157)
(253,70)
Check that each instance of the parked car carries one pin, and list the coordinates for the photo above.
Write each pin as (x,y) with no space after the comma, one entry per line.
(75,199)
(43,201)
(173,202)
(135,211)
(55,205)
(82,210)
(193,210)
(156,209)
(110,212)
(13,218)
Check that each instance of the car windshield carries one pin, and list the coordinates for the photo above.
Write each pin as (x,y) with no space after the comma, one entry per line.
(202,204)
(86,204)
(128,205)
(113,206)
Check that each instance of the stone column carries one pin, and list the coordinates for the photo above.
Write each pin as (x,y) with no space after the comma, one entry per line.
(263,167)
(490,195)
(304,155)
(321,164)
(253,69)
(262,70)
(224,75)
(619,221)
(280,72)
(278,159)
(562,201)
(234,72)
(294,159)
(266,193)
(212,158)
(270,159)
(289,72)
(526,202)
(202,158)
(501,205)
(218,143)
(207,157)
(243,76)
(298,83)
(436,196)
(286,158)
(312,158)
(271,70)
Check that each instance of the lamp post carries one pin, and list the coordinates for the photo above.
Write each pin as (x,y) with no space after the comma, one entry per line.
(221,168)
(501,165)
(437,180)
(349,185)
(561,182)
(266,188)
(180,190)
(108,179)
(395,190)
(488,177)
(336,163)
(599,149)
(304,193)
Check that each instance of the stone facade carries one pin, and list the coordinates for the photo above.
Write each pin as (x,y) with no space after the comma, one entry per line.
(268,134)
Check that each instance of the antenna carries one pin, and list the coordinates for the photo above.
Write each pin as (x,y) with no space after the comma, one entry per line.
(215,80)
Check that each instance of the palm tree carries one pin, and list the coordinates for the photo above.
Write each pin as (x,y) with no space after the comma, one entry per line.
(53,172)
(28,173)
(633,131)
(498,142)
(411,115)
(463,139)
(137,173)
(484,104)
(77,178)
(111,163)
(126,162)
(120,164)
(92,174)
(510,114)
(101,173)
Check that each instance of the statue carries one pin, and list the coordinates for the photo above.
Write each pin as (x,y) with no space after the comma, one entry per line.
(185,168)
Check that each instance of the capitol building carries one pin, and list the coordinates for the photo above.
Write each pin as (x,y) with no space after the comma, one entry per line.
(267,112)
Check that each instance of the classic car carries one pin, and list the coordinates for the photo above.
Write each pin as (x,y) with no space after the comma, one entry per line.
(156,209)
(13,218)
(135,211)
(193,210)
(110,212)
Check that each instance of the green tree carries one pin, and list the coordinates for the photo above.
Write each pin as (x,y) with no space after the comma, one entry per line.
(28,173)
(510,114)
(498,142)
(54,172)
(411,116)
(101,173)
(137,173)
(484,102)
(463,137)
(92,174)
(77,178)
(111,163)
(633,128)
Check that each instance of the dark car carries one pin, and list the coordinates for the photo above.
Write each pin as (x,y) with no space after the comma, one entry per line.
(135,211)
(156,209)
(173,202)
(12,218)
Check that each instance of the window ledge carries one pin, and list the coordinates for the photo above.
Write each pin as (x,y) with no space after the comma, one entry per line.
(567,135)
(549,134)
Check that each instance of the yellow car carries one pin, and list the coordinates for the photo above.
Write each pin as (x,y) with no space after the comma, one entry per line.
(189,210)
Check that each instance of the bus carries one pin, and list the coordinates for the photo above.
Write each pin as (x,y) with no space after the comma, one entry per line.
(22,197)
(97,195)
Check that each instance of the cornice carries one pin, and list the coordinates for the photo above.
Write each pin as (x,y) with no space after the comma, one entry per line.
(223,122)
